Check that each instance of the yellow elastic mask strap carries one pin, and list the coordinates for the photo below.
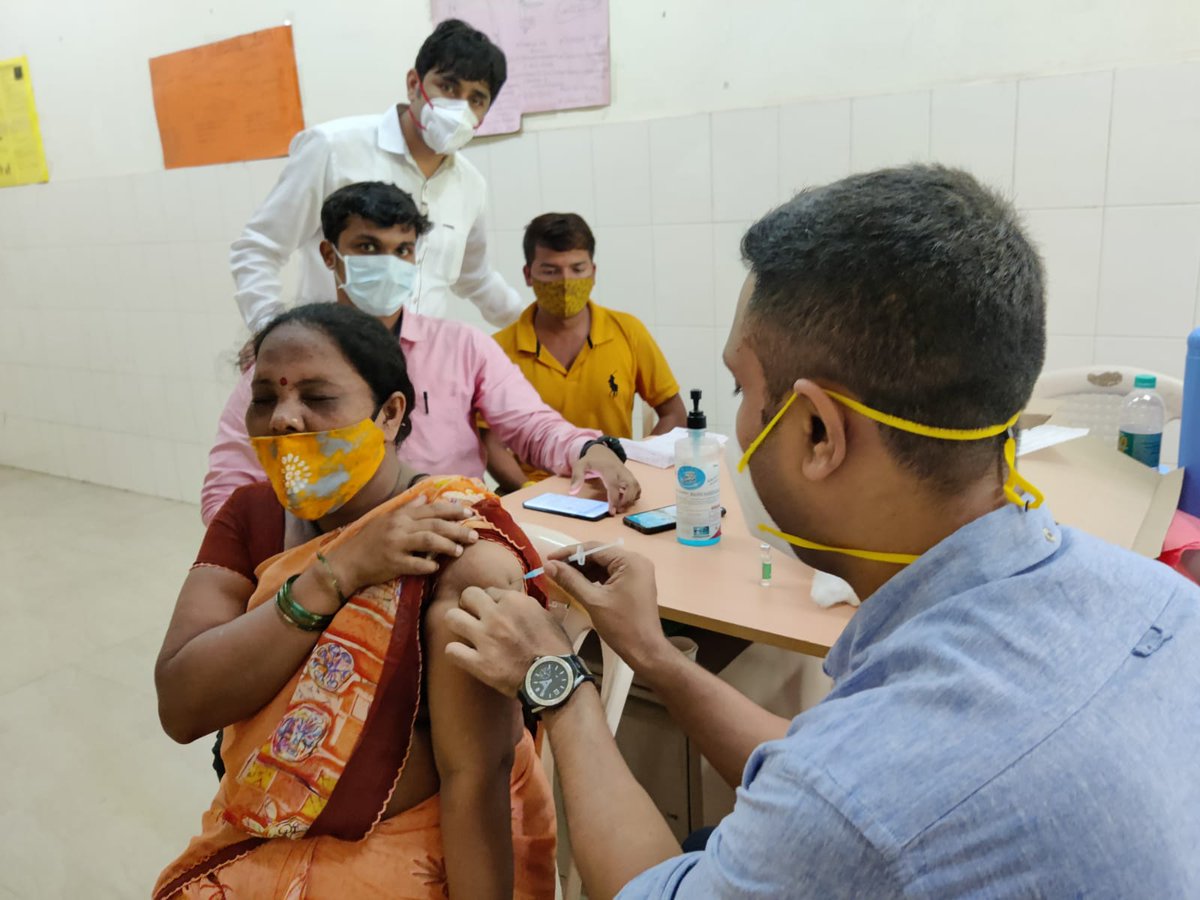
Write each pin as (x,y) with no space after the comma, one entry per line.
(1018,481)
(762,435)
(900,559)
(1015,480)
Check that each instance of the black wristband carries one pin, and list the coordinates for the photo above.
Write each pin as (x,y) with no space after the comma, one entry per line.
(612,443)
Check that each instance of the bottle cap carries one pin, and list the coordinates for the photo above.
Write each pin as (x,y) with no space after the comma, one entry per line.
(696,420)
(1142,381)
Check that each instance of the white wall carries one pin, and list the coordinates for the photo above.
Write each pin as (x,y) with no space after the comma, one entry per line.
(669,58)
(116,319)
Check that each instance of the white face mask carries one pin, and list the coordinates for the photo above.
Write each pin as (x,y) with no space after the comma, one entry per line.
(827,589)
(378,285)
(753,510)
(448,125)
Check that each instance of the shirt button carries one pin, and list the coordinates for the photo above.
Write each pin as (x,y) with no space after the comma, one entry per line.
(1049,535)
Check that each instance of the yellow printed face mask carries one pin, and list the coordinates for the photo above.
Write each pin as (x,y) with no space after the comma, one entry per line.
(564,298)
(318,472)
(754,510)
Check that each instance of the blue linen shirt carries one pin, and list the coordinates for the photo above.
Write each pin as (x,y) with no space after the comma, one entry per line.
(1016,714)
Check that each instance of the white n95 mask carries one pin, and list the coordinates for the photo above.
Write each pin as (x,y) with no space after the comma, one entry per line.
(827,589)
(753,511)
(378,285)
(447,126)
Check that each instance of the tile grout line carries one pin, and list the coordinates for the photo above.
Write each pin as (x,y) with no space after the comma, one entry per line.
(1112,90)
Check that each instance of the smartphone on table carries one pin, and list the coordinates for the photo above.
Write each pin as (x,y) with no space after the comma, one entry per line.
(652,521)
(566,505)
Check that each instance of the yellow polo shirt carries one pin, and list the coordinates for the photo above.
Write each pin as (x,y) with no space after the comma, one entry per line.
(619,359)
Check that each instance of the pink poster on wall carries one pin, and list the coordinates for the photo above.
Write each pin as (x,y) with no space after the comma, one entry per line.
(557,53)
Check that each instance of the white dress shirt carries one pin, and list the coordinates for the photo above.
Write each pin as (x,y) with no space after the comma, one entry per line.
(451,257)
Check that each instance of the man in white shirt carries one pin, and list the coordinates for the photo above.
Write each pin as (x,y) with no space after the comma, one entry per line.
(457,75)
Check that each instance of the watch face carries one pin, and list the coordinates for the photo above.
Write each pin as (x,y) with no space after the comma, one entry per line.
(549,681)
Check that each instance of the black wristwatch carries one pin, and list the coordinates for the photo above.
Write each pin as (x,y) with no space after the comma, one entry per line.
(550,680)
(612,443)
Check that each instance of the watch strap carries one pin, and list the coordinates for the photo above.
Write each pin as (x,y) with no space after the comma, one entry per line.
(612,443)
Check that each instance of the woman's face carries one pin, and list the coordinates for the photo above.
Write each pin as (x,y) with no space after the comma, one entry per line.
(303,383)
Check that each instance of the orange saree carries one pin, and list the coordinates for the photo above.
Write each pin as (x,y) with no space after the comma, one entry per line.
(298,812)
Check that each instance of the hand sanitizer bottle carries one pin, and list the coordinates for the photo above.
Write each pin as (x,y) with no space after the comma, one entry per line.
(697,482)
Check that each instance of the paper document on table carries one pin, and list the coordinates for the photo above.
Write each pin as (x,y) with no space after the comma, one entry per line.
(659,450)
(1039,438)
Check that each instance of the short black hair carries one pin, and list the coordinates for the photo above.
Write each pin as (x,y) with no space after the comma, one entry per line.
(366,344)
(376,201)
(457,50)
(558,232)
(917,290)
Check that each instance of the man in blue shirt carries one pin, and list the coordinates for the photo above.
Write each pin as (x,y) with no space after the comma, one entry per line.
(1016,706)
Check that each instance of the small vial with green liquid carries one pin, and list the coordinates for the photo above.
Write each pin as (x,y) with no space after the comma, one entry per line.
(765,555)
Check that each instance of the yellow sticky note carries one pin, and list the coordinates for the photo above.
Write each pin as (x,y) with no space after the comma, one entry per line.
(22,160)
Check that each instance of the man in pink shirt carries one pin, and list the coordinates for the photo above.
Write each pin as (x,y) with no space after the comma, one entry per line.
(371,231)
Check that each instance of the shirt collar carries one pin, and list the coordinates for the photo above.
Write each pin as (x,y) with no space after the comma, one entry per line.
(603,329)
(413,327)
(992,548)
(389,137)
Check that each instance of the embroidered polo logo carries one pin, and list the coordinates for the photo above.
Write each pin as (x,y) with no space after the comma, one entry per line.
(612,385)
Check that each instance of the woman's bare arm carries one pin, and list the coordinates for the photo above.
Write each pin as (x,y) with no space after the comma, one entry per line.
(220,664)
(474,730)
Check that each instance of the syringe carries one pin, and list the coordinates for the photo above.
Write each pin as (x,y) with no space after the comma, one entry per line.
(579,556)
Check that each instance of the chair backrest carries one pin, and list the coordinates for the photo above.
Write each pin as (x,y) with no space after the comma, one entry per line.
(1091,396)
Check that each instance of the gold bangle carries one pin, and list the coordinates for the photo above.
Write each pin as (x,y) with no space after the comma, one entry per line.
(332,578)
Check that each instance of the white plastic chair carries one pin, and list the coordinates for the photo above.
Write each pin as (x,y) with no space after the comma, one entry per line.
(1090,397)
(615,682)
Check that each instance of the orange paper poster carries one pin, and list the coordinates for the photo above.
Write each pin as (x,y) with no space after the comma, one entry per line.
(233,100)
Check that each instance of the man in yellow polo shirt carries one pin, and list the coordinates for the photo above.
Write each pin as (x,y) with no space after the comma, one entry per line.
(586,361)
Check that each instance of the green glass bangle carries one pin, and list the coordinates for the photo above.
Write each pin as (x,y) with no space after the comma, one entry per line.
(295,614)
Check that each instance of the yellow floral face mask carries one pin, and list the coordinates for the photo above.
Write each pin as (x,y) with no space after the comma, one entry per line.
(564,298)
(318,472)
(1014,487)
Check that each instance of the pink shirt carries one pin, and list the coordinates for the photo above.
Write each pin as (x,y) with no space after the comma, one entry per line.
(457,372)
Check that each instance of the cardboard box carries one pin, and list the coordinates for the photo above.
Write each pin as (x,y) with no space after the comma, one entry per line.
(1091,486)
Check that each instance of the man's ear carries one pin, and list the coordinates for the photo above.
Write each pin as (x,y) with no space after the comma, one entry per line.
(825,427)
(328,255)
(412,81)
(528,276)
(391,416)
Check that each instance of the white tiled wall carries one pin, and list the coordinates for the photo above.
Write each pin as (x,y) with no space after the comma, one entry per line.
(118,326)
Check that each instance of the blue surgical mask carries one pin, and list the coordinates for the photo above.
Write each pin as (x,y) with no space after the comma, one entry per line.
(379,285)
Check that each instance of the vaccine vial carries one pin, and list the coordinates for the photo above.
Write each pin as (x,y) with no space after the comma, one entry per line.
(765,555)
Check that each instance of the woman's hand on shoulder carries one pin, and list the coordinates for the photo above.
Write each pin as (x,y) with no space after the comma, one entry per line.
(404,541)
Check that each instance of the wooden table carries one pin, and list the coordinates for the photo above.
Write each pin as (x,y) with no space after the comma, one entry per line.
(713,587)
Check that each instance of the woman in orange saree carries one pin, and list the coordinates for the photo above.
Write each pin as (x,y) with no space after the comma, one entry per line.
(358,761)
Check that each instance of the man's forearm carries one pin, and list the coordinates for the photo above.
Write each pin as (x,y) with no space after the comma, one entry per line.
(616,831)
(722,722)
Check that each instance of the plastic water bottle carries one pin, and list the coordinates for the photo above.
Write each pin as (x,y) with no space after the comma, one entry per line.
(697,482)
(1142,419)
